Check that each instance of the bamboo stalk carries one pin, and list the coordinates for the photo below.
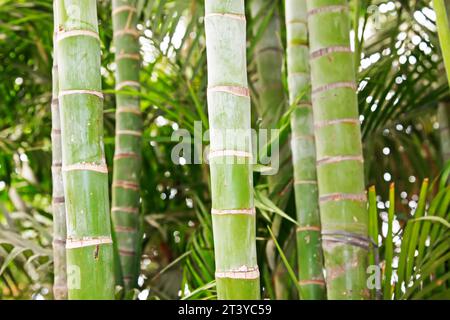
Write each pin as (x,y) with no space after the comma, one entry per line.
(340,169)
(127,159)
(309,248)
(85,175)
(233,212)
(268,56)
(443,114)
(58,202)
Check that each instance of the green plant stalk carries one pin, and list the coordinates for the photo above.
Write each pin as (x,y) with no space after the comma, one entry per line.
(309,247)
(414,239)
(442,24)
(443,114)
(127,157)
(340,168)
(373,232)
(268,56)
(233,214)
(389,246)
(89,248)
(58,202)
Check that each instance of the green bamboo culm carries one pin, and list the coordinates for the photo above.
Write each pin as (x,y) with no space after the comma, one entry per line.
(268,56)
(89,249)
(233,212)
(340,169)
(271,103)
(58,202)
(443,114)
(309,247)
(127,157)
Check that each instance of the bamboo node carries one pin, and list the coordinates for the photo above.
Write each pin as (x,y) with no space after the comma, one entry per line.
(86,166)
(63,93)
(125,185)
(247,211)
(61,35)
(129,133)
(351,238)
(343,196)
(327,9)
(131,56)
(124,84)
(324,123)
(308,228)
(123,8)
(319,282)
(234,90)
(134,110)
(125,209)
(126,252)
(235,16)
(125,155)
(324,51)
(337,159)
(73,243)
(300,182)
(124,229)
(130,32)
(242,272)
(335,85)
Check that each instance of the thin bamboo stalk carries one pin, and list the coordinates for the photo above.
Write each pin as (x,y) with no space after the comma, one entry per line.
(309,247)
(127,159)
(233,212)
(268,56)
(340,169)
(58,202)
(89,245)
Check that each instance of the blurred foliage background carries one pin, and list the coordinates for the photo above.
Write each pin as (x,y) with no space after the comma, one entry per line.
(401,82)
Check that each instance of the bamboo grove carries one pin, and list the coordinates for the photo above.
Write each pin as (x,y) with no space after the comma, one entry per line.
(224,149)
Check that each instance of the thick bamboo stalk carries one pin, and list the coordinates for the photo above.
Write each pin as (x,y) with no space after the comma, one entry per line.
(58,202)
(127,158)
(309,248)
(237,274)
(441,8)
(85,175)
(340,169)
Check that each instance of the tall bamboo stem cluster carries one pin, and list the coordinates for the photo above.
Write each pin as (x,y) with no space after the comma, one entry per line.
(127,157)
(309,248)
(340,170)
(85,175)
(58,202)
(237,274)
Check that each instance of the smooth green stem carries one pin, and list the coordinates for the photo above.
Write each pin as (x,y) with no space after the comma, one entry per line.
(389,246)
(58,202)
(89,247)
(127,157)
(443,114)
(309,247)
(234,224)
(340,169)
